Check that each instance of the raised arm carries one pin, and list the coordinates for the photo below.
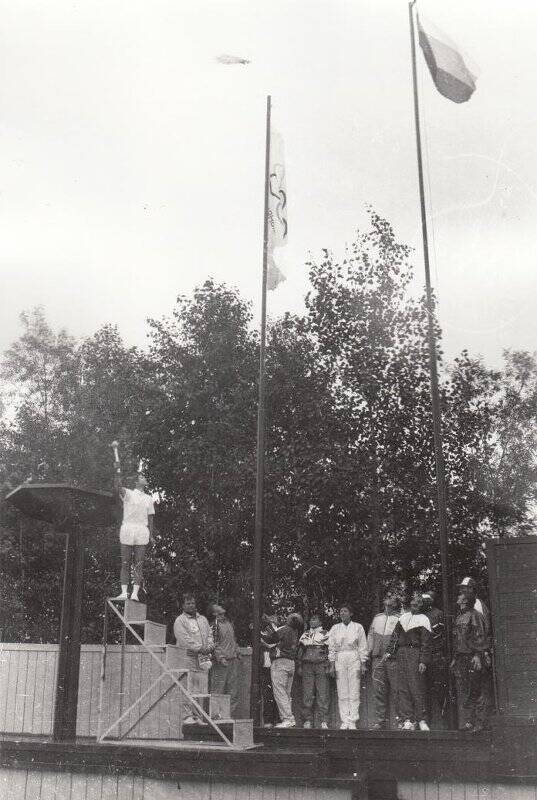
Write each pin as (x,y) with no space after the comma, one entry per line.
(119,491)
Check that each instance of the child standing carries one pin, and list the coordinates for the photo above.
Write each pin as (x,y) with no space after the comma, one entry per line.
(313,665)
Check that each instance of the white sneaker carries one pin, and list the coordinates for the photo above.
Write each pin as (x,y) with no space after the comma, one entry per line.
(324,726)
(408,725)
(122,596)
(423,725)
(287,723)
(190,721)
(307,724)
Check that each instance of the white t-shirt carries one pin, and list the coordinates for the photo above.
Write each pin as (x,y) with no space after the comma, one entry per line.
(137,507)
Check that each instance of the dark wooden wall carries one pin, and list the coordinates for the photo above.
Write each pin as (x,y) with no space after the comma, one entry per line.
(512,567)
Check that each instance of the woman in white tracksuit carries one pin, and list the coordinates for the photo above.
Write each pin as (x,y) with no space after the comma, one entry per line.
(347,654)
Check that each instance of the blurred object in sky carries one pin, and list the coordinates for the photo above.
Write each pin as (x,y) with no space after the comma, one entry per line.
(226,59)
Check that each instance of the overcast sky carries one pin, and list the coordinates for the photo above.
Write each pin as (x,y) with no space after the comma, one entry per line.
(131,163)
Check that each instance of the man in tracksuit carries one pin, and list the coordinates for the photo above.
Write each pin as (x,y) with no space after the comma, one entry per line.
(411,646)
(468,587)
(436,675)
(384,672)
(469,647)
(313,665)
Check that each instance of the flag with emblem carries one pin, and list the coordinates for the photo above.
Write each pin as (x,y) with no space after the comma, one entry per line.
(277,209)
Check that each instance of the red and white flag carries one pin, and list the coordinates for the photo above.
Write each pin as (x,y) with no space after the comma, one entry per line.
(448,69)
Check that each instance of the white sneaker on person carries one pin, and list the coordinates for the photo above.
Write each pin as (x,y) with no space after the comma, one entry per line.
(324,726)
(307,724)
(423,725)
(408,725)
(190,721)
(122,596)
(287,723)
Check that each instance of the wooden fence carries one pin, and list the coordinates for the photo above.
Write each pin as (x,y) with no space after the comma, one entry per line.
(28,676)
(28,679)
(33,784)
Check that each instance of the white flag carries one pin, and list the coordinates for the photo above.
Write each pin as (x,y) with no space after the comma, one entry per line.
(277,209)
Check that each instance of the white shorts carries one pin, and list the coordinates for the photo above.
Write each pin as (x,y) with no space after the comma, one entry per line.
(134,534)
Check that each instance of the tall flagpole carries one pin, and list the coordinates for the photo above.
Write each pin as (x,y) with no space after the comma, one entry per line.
(255,693)
(433,368)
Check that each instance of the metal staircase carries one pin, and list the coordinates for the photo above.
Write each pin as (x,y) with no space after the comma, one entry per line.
(173,685)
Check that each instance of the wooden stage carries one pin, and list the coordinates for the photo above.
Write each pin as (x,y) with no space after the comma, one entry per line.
(372,765)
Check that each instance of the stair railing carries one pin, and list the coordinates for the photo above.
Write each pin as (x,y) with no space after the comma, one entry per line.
(165,671)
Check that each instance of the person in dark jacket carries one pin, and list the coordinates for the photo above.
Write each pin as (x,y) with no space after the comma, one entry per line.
(313,665)
(469,647)
(225,671)
(269,712)
(282,668)
(468,587)
(411,646)
(436,675)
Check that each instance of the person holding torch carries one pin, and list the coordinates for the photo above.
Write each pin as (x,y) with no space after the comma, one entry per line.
(136,526)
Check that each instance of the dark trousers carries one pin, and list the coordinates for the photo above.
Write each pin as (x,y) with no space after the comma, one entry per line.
(471,700)
(385,688)
(315,684)
(436,679)
(129,553)
(269,710)
(412,686)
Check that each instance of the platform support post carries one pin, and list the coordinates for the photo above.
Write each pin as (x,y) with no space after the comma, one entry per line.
(65,707)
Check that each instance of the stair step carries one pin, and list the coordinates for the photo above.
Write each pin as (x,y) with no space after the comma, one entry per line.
(154,632)
(134,611)
(217,706)
(238,731)
(195,682)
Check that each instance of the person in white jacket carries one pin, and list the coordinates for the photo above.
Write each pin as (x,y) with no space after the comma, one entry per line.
(194,637)
(347,654)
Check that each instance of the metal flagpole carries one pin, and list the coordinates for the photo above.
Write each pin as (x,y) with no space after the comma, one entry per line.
(255,691)
(435,396)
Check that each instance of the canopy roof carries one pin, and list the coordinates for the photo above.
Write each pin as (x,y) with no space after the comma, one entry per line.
(64,505)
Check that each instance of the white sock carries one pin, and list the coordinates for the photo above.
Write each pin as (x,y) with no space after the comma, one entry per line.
(135,590)
(124,588)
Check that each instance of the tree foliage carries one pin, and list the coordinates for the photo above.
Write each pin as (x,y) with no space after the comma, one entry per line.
(350,475)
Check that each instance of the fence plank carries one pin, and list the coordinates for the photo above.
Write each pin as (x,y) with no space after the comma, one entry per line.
(33,785)
(12,691)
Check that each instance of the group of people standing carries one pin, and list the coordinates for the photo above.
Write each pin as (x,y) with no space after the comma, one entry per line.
(404,649)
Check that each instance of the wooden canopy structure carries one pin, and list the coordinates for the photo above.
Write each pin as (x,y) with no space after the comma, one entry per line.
(71,510)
